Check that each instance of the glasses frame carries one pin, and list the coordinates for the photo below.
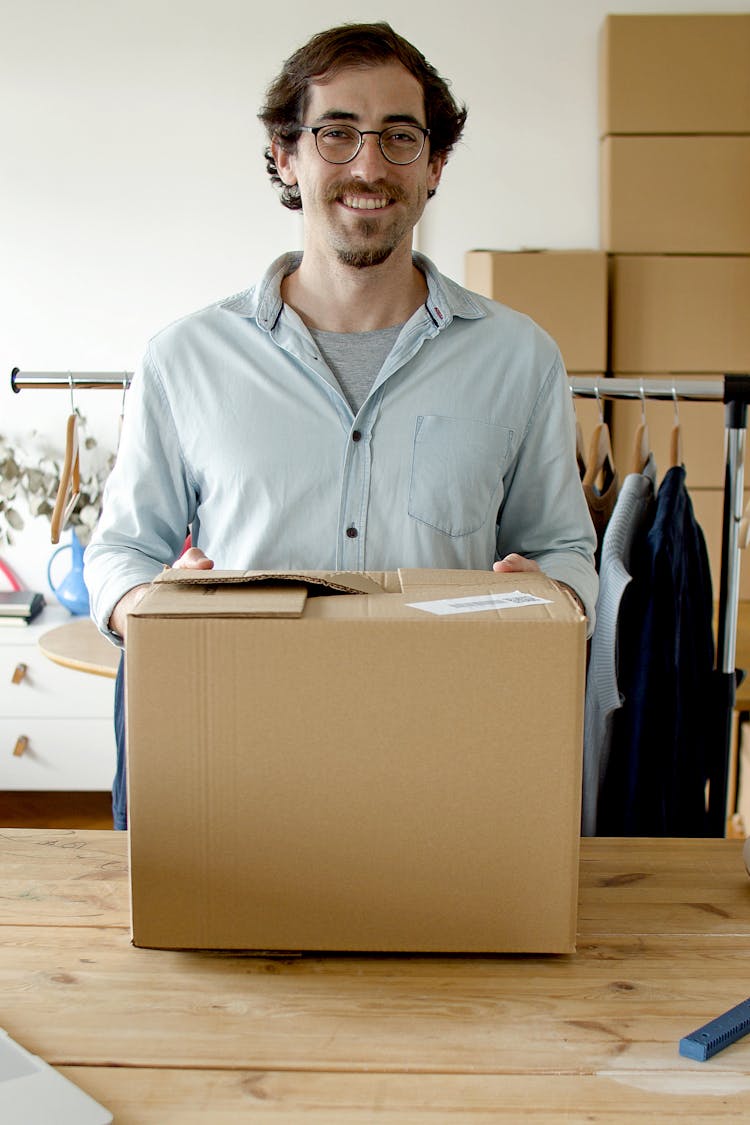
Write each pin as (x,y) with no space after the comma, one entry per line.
(315,129)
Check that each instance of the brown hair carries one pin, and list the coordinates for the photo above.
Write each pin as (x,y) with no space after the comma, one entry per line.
(327,53)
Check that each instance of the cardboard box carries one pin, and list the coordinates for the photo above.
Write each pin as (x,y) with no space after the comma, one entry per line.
(677,314)
(675,74)
(675,195)
(702,425)
(349,772)
(564,291)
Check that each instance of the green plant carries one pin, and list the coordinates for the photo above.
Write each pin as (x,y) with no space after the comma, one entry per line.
(30,477)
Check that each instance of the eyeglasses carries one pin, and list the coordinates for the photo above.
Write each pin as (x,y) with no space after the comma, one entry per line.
(339,144)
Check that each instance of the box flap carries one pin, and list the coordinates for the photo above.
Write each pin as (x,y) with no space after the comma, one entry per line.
(315,581)
(190,599)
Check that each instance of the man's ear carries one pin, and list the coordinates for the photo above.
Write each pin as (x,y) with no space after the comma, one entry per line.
(285,163)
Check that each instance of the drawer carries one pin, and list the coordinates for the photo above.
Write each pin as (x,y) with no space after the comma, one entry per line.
(61,754)
(48,690)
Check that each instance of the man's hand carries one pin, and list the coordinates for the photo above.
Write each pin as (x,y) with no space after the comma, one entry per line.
(193,559)
(514,562)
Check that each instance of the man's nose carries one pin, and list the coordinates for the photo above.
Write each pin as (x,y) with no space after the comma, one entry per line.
(369,161)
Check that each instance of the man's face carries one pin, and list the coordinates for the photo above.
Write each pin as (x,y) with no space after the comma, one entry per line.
(366,209)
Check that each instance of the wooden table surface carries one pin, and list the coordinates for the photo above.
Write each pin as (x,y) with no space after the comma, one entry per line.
(178,1038)
(79,644)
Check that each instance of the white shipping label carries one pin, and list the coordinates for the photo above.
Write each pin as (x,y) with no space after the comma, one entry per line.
(514,600)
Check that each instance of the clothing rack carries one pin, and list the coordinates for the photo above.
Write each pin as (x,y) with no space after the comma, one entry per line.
(732,390)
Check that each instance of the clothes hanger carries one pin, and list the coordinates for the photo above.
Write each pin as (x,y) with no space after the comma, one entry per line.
(69,487)
(580,450)
(600,461)
(641,442)
(675,439)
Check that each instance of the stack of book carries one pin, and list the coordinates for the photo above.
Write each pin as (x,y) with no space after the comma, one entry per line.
(19,607)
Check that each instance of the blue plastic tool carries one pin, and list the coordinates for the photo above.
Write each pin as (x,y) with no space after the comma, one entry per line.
(717,1034)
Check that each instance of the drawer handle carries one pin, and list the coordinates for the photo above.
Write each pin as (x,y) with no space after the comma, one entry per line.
(22,743)
(19,672)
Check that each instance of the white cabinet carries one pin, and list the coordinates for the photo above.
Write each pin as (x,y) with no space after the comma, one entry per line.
(62,719)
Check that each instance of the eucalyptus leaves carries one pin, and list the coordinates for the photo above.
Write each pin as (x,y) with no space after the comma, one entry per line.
(29,479)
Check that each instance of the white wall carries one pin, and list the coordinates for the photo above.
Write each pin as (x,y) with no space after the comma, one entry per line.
(132,185)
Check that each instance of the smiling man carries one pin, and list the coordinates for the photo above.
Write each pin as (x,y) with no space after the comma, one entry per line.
(355,409)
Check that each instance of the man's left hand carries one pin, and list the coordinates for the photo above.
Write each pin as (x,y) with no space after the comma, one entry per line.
(514,563)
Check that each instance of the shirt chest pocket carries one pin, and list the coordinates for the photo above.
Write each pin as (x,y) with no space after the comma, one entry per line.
(457,467)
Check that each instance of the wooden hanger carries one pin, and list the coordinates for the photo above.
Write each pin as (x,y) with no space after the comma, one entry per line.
(69,488)
(675,438)
(641,441)
(600,461)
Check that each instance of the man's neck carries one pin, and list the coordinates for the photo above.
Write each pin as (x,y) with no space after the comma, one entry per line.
(333,297)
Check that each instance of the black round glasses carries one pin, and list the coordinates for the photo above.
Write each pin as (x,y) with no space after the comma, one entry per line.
(338,144)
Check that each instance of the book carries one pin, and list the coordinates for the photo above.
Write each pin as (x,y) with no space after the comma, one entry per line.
(19,607)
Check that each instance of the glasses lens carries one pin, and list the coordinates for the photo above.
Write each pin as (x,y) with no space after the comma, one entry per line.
(402,144)
(337,143)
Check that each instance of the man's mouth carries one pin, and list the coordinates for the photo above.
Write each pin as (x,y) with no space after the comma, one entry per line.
(365,197)
(365,203)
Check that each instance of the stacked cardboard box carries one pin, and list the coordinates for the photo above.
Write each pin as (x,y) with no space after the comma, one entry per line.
(565,292)
(675,165)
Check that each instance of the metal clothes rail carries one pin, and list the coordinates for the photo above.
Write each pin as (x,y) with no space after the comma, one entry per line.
(732,390)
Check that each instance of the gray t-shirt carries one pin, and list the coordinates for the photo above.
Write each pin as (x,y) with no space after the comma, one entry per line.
(355,358)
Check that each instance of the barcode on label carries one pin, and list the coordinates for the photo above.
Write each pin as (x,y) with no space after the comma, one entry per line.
(512,600)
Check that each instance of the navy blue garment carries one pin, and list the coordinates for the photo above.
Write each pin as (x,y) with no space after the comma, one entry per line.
(667,728)
(119,786)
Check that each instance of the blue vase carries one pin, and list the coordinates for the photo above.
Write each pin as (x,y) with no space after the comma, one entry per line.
(71,592)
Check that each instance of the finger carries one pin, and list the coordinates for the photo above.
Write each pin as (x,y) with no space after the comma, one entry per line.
(193,559)
(515,563)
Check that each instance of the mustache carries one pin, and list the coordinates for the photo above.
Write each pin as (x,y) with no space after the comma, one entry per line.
(338,191)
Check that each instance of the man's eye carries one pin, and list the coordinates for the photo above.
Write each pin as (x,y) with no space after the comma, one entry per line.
(337,135)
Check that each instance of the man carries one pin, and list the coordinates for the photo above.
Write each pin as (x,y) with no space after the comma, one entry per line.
(355,409)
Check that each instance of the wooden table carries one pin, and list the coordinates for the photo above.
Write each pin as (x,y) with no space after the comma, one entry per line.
(80,645)
(177,1038)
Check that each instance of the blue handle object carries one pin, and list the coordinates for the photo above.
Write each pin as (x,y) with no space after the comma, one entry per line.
(71,592)
(717,1034)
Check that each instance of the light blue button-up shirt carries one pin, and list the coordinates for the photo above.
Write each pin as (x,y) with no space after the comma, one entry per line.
(235,427)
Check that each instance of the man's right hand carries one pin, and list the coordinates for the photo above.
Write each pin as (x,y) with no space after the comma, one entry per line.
(193,559)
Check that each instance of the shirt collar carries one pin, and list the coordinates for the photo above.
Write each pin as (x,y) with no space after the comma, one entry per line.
(445,298)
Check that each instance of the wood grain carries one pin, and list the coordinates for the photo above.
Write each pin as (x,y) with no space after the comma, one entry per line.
(221,1097)
(664,939)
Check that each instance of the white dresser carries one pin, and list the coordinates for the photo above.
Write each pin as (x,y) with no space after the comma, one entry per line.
(56,723)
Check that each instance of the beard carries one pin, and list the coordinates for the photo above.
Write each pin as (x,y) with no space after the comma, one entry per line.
(372,241)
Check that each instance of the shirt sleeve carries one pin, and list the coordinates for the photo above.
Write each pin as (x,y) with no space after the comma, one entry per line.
(149,501)
(544,515)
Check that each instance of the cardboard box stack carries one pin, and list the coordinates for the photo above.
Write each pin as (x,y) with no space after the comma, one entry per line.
(675,211)
(565,292)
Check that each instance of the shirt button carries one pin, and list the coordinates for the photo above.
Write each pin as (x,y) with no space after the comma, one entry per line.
(356,436)
(352,532)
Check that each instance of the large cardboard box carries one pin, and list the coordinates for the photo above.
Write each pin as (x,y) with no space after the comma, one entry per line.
(349,772)
(679,314)
(675,74)
(675,195)
(564,291)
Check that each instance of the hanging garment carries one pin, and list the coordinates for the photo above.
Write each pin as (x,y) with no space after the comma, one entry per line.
(630,521)
(665,731)
(601,506)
